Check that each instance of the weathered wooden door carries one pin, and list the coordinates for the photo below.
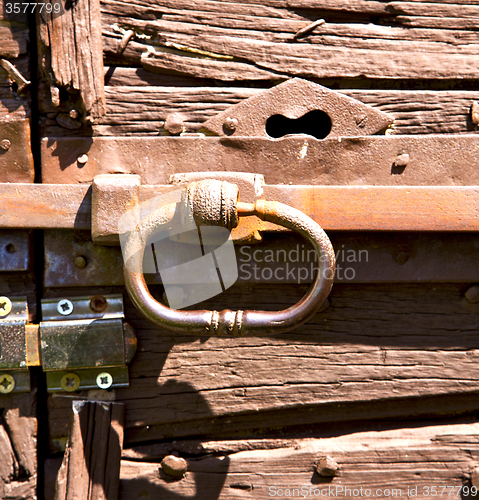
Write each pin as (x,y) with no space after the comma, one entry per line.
(376,395)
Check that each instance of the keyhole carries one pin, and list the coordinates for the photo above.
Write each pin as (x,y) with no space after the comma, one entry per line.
(316,123)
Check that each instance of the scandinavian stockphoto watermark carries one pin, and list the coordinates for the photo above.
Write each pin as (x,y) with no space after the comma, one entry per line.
(296,264)
(196,263)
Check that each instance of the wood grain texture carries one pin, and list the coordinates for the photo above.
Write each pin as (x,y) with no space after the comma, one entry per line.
(71,54)
(139,109)
(18,447)
(14,40)
(431,459)
(262,36)
(91,463)
(377,351)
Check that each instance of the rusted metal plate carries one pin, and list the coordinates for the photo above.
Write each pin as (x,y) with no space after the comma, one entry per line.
(16,160)
(366,257)
(15,250)
(336,208)
(341,116)
(440,160)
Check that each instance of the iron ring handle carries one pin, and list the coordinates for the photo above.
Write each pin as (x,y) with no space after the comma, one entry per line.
(216,203)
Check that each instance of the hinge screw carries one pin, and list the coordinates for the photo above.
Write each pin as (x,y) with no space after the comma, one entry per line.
(70,382)
(98,303)
(7,383)
(104,380)
(5,144)
(65,307)
(230,124)
(327,467)
(5,306)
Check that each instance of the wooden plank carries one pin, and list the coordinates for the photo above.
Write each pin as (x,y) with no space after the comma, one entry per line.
(139,108)
(397,463)
(91,463)
(71,54)
(14,40)
(263,37)
(18,446)
(378,351)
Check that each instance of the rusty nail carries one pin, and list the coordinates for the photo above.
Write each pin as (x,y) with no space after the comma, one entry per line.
(174,124)
(307,29)
(475,113)
(402,161)
(472,294)
(402,257)
(174,466)
(7,383)
(5,144)
(230,124)
(327,467)
(80,262)
(475,477)
(127,36)
(74,114)
(82,159)
(98,303)
(15,75)
(5,306)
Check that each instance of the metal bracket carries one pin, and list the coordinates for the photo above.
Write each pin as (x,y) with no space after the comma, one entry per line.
(83,343)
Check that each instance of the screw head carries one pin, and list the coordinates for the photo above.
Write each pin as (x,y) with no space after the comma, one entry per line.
(5,144)
(5,306)
(65,307)
(104,380)
(327,467)
(230,124)
(7,383)
(70,382)
(82,159)
(98,303)
(174,466)
(174,124)
(80,262)
(402,257)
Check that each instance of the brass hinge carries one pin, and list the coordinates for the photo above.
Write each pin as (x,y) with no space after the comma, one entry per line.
(82,343)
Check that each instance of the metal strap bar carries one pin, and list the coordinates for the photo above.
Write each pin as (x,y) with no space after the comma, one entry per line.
(385,208)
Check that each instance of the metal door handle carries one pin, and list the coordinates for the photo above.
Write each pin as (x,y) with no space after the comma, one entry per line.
(213,202)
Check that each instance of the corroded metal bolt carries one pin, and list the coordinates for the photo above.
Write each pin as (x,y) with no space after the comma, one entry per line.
(174,124)
(82,159)
(5,144)
(5,306)
(402,161)
(327,467)
(475,477)
(7,383)
(472,294)
(70,382)
(104,380)
(230,124)
(65,307)
(80,262)
(174,466)
(402,257)
(475,113)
